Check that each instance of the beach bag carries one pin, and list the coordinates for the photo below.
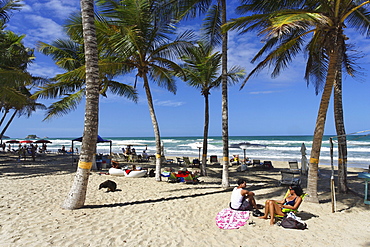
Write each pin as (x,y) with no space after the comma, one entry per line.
(152,173)
(291,221)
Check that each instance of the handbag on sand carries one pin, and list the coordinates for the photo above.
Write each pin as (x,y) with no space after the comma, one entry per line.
(291,221)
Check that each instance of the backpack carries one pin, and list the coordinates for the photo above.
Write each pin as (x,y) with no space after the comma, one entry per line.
(291,221)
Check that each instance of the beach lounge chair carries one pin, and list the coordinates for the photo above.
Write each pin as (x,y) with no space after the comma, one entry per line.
(213,159)
(289,177)
(256,163)
(189,179)
(267,165)
(293,166)
(287,210)
(179,161)
(172,178)
(187,161)
(196,163)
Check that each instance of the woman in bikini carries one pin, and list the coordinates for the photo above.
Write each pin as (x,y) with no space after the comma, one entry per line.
(292,201)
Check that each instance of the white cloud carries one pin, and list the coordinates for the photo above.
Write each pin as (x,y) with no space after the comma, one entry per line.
(262,92)
(43,29)
(168,103)
(59,9)
(44,69)
(26,8)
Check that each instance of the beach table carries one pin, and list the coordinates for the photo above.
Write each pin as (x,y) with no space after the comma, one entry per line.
(366,176)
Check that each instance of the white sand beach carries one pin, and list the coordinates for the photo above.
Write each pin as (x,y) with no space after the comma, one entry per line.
(144,212)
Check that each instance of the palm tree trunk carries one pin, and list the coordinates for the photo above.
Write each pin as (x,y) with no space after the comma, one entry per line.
(3,117)
(205,134)
(319,129)
(77,195)
(155,128)
(8,123)
(341,133)
(225,110)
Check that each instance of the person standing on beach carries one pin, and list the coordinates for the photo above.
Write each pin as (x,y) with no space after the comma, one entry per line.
(243,200)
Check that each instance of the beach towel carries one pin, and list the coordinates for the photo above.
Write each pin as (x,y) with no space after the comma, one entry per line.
(228,218)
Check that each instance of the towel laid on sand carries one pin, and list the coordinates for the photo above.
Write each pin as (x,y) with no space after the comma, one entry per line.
(231,219)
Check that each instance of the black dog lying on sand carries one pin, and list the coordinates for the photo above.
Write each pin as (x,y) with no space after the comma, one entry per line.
(109,184)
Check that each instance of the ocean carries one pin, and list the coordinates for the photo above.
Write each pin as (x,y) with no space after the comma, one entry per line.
(282,148)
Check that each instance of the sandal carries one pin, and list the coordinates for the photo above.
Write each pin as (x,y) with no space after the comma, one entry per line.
(257,213)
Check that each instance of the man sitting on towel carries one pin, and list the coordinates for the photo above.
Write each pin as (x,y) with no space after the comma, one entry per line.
(243,200)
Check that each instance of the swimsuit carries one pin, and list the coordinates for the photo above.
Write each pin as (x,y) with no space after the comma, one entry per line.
(291,203)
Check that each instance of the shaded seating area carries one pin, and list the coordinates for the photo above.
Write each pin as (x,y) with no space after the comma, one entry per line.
(101,160)
(258,164)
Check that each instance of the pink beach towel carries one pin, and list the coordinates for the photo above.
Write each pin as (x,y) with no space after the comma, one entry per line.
(231,219)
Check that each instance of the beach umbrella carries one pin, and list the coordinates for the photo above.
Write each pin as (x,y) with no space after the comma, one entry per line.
(42,141)
(12,141)
(26,141)
(304,163)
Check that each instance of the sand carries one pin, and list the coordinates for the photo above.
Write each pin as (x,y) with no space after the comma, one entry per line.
(144,212)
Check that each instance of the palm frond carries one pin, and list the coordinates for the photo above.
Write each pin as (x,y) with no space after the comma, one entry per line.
(12,96)
(6,6)
(163,77)
(65,105)
(123,90)
(211,30)
(360,20)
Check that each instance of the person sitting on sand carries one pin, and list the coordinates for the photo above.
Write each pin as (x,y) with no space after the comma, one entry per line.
(135,169)
(144,155)
(243,200)
(292,201)
(128,150)
(115,164)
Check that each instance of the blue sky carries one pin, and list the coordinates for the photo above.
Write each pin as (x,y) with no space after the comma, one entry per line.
(281,106)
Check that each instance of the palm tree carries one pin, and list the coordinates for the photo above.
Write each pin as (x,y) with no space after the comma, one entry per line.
(287,24)
(201,70)
(77,195)
(341,134)
(20,108)
(14,59)
(69,55)
(216,16)
(15,80)
(139,41)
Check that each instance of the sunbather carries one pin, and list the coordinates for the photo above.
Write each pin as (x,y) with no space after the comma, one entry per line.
(115,164)
(243,200)
(292,201)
